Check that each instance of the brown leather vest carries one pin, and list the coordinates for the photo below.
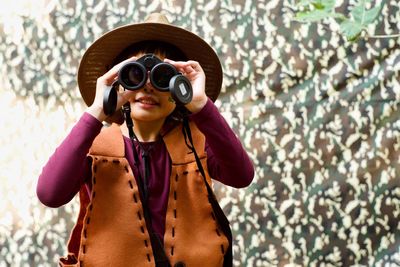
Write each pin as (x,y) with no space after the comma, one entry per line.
(111,229)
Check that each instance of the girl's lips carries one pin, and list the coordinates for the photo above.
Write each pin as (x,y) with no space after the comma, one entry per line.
(147,100)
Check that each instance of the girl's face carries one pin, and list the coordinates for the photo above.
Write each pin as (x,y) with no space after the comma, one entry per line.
(148,104)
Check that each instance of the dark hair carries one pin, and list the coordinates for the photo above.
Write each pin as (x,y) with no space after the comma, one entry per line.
(162,49)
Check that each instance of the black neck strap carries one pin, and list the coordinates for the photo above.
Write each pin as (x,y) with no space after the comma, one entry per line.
(145,172)
(219,214)
(160,257)
(158,250)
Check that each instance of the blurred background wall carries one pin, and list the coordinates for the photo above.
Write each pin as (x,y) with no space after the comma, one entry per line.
(318,115)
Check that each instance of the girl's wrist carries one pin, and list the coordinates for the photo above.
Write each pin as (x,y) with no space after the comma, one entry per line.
(97,112)
(196,106)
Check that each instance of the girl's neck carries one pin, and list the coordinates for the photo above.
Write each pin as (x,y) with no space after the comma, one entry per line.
(146,131)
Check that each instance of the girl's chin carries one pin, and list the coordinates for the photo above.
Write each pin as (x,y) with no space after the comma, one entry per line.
(144,115)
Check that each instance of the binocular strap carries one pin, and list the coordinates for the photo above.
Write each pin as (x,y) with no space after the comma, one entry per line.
(219,214)
(160,257)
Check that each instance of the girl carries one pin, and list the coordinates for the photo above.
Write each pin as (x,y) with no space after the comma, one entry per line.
(145,182)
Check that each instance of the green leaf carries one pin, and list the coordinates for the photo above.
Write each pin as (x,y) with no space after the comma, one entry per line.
(372,14)
(364,16)
(312,16)
(318,4)
(305,2)
(358,12)
(351,29)
(328,4)
(338,16)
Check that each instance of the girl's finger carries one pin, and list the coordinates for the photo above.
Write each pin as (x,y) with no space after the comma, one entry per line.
(124,96)
(178,64)
(195,65)
(189,69)
(110,75)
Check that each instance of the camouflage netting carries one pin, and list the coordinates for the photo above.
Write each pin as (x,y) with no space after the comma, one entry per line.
(319,117)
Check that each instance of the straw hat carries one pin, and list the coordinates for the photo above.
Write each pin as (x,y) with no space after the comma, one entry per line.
(156,27)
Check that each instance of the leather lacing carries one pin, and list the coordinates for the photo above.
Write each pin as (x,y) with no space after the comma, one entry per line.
(140,217)
(175,213)
(90,208)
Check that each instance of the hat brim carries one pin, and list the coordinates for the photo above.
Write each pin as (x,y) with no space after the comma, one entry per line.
(100,55)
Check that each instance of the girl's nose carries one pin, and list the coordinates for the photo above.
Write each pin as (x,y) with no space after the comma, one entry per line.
(148,87)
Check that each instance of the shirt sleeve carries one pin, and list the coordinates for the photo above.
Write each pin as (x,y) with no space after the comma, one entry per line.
(68,167)
(227,160)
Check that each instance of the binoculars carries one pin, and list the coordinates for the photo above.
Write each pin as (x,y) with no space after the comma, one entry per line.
(163,76)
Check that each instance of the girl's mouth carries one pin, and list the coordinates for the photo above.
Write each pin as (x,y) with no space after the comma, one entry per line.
(147,101)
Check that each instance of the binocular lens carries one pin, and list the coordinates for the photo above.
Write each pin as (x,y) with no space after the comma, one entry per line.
(161,75)
(132,76)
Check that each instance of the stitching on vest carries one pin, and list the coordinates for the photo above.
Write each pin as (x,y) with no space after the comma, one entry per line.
(85,235)
(90,208)
(215,220)
(130,184)
(174,212)
(135,199)
(218,233)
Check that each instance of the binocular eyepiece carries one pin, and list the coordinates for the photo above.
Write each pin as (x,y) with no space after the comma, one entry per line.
(163,76)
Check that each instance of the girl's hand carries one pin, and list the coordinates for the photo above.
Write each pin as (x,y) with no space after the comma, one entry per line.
(194,72)
(104,82)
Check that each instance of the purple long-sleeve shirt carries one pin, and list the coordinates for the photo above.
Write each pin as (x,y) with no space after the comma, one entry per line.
(69,167)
